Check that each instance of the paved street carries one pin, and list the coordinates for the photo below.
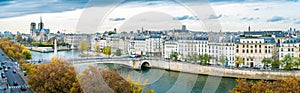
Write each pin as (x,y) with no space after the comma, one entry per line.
(11,77)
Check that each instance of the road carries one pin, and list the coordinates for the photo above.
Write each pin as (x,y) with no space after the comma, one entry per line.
(11,77)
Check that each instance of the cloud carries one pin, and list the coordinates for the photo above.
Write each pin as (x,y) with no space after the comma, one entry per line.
(276,19)
(215,16)
(116,19)
(24,7)
(249,18)
(186,17)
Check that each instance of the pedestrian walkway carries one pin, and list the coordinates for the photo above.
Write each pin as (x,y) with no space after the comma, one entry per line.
(17,86)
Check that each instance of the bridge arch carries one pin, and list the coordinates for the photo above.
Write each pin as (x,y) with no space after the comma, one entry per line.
(145,64)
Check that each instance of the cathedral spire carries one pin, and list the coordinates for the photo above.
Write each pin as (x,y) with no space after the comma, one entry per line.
(41,19)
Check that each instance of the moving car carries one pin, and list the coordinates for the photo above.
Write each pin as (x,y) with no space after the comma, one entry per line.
(14,71)
(15,83)
(3,76)
(5,70)
(23,88)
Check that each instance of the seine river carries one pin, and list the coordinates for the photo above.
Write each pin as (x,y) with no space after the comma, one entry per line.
(161,81)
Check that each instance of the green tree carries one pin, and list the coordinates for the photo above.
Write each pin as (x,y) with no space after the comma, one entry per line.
(297,61)
(238,61)
(288,62)
(27,54)
(223,59)
(200,58)
(174,56)
(276,63)
(206,59)
(118,52)
(267,61)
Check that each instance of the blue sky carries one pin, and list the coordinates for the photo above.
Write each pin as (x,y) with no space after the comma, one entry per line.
(234,15)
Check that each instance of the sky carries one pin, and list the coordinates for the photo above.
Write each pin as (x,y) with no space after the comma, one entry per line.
(90,16)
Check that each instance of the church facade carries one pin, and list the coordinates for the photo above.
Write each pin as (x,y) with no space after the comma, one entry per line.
(39,34)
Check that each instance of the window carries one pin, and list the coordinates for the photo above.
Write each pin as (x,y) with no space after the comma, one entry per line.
(289,50)
(243,46)
(266,51)
(293,49)
(247,51)
(259,46)
(281,49)
(251,51)
(237,51)
(282,54)
(237,46)
(259,50)
(243,51)
(266,47)
(255,46)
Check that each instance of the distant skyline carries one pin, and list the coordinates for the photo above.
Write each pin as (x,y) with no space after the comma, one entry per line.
(232,15)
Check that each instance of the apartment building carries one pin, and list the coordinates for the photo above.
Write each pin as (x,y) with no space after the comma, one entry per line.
(290,46)
(254,49)
(138,45)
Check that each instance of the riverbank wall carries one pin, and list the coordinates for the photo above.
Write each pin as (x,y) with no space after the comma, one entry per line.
(46,49)
(224,72)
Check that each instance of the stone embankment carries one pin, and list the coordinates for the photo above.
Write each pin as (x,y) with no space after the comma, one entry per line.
(224,72)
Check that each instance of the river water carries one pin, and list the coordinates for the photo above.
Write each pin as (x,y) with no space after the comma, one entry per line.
(161,81)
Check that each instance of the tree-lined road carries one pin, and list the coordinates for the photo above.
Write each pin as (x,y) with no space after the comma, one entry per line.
(11,77)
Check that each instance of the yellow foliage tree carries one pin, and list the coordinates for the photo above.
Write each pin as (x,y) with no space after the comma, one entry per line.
(289,85)
(54,77)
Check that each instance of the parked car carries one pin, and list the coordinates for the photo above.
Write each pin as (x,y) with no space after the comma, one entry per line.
(8,67)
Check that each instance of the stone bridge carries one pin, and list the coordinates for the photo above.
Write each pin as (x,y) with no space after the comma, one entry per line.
(134,63)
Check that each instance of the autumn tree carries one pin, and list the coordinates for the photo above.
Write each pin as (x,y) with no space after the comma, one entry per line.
(11,53)
(238,60)
(107,50)
(27,54)
(18,38)
(97,47)
(289,85)
(54,77)
(95,80)
(84,45)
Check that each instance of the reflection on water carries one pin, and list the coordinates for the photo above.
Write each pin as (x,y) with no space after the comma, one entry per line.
(163,81)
